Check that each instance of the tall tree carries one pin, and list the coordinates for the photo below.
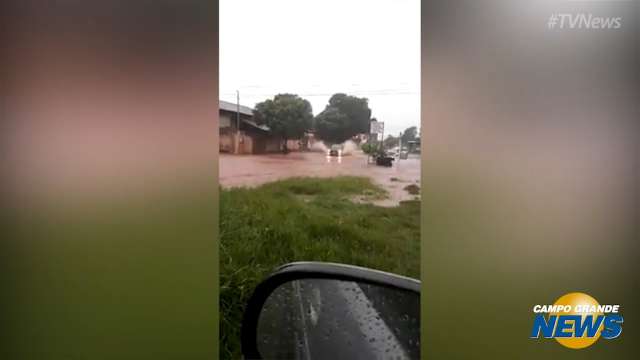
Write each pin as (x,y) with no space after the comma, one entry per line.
(343,117)
(287,115)
(391,141)
(409,135)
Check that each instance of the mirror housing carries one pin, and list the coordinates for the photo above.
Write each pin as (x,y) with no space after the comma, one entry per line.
(307,271)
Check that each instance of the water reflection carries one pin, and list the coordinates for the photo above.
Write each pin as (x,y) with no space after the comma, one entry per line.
(319,318)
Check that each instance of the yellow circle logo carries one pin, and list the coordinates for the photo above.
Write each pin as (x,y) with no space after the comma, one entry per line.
(576,321)
(578,301)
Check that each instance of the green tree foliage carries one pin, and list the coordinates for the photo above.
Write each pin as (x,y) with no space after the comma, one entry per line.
(369,148)
(409,135)
(333,126)
(287,115)
(344,117)
(391,141)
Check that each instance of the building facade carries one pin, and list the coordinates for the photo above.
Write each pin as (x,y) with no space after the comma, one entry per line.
(239,134)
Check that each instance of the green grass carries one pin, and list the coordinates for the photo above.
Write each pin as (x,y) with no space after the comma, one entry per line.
(306,219)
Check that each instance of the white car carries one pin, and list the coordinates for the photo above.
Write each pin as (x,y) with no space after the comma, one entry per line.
(335,150)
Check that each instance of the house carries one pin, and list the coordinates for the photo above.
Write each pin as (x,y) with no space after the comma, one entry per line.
(252,138)
(239,134)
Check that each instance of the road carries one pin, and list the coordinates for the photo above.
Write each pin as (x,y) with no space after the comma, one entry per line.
(253,170)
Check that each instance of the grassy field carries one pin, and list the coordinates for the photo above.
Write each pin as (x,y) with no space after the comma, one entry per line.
(307,219)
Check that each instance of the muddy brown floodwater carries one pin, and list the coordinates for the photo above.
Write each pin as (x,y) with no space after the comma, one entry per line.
(254,170)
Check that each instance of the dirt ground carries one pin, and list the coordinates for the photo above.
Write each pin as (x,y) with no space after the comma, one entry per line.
(253,170)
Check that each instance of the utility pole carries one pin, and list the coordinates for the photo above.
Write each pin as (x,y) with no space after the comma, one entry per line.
(382,141)
(238,122)
(399,145)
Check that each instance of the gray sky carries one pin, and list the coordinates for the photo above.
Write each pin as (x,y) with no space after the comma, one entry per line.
(315,48)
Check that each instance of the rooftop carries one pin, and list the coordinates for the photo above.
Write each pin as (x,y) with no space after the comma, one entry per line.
(231,107)
(255,125)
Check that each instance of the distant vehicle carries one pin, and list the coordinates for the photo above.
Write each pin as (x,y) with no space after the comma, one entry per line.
(335,150)
(384,160)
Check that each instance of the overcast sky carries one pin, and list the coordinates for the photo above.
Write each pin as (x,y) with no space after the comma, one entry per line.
(315,48)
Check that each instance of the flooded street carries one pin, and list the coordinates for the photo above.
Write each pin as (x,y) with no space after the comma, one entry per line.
(253,170)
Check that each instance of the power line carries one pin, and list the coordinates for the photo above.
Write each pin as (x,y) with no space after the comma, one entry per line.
(357,93)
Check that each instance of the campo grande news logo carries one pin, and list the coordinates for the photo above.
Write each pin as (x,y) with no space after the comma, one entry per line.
(576,321)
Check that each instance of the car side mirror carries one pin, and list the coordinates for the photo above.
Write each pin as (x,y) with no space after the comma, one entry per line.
(315,310)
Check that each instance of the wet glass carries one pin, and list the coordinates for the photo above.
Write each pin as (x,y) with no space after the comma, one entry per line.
(322,319)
